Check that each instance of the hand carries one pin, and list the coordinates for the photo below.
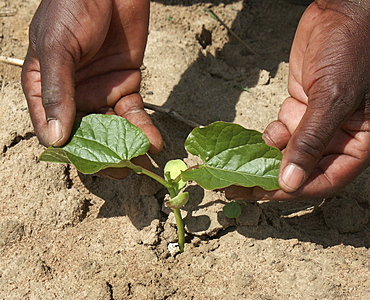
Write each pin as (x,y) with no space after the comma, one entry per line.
(323,128)
(84,57)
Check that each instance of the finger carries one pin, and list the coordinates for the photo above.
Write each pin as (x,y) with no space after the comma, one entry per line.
(50,104)
(359,121)
(333,173)
(131,107)
(113,173)
(239,193)
(106,90)
(291,112)
(353,143)
(304,150)
(276,135)
(57,90)
(325,113)
(31,84)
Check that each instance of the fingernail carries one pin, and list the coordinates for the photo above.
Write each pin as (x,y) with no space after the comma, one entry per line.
(268,140)
(292,178)
(55,131)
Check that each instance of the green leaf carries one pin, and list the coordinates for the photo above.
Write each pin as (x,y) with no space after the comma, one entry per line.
(57,155)
(174,168)
(232,210)
(179,201)
(100,141)
(232,155)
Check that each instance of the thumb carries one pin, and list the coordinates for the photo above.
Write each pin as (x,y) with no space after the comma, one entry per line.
(57,90)
(313,134)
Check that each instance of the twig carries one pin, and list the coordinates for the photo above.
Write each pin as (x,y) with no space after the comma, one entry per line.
(172,113)
(11,61)
(213,15)
(169,111)
(297,211)
(7,12)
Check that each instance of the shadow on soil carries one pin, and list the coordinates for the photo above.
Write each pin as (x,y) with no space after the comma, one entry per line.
(268,28)
(133,197)
(308,227)
(218,80)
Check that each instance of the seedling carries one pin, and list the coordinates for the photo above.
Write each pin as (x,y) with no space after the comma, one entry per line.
(231,155)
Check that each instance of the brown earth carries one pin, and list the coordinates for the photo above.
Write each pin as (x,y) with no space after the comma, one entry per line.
(64,235)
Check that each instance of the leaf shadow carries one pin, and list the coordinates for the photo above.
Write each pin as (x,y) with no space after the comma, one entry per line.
(340,220)
(132,197)
(195,223)
(305,222)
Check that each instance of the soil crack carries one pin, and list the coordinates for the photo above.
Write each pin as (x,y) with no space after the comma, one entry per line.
(17,140)
(68,179)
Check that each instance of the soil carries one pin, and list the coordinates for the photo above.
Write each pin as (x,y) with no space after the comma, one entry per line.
(64,235)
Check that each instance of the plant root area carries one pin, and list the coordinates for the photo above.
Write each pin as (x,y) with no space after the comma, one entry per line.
(64,235)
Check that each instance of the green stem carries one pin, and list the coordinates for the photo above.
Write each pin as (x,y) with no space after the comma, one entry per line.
(179,222)
(180,229)
(173,193)
(140,170)
(157,178)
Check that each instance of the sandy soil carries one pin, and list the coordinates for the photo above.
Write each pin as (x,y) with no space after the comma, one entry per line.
(64,235)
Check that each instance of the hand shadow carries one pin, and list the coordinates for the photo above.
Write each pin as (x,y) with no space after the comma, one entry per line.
(219,78)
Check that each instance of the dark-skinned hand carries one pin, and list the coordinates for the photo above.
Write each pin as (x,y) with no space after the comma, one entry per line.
(84,57)
(323,128)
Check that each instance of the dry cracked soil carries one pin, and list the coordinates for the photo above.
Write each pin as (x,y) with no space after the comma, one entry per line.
(64,235)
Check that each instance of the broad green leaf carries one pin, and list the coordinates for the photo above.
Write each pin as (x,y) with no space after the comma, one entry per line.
(179,201)
(57,155)
(174,168)
(232,155)
(100,141)
(232,210)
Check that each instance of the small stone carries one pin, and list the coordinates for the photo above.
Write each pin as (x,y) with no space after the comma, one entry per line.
(264,77)
(173,248)
(249,244)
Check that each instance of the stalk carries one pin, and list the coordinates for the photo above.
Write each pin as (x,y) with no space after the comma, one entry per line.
(180,229)
(140,170)
(179,222)
(173,193)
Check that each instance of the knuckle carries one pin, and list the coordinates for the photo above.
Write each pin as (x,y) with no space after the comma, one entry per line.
(312,142)
(310,150)
(49,99)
